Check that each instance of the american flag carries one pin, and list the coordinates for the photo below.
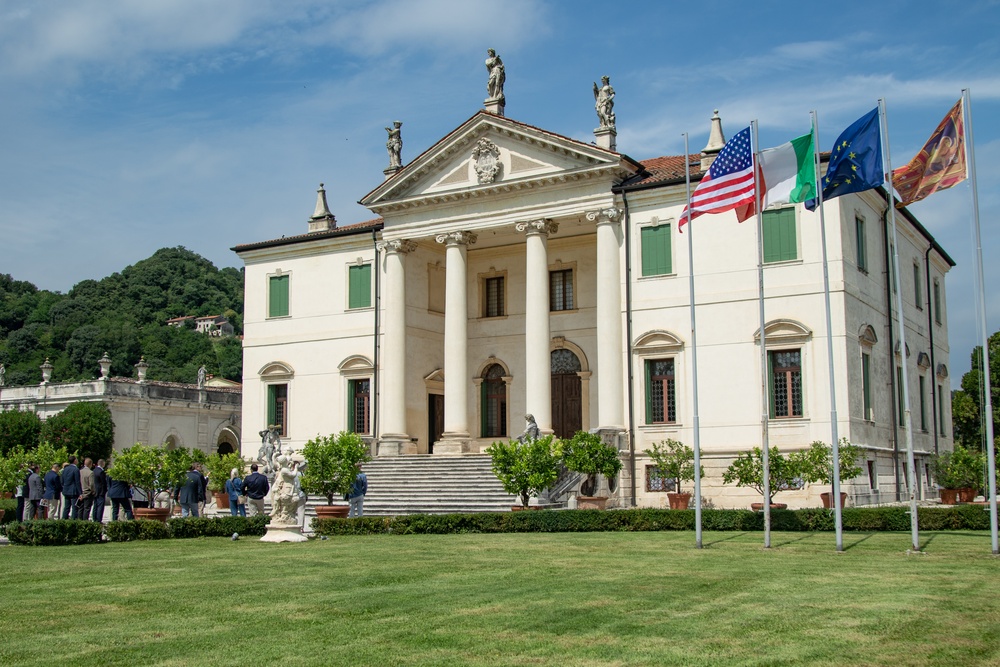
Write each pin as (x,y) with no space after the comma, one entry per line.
(728,184)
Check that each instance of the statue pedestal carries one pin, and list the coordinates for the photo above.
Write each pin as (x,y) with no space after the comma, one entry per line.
(284,533)
(606,137)
(495,105)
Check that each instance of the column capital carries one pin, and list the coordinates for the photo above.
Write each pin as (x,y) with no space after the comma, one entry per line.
(402,246)
(542,226)
(604,215)
(457,238)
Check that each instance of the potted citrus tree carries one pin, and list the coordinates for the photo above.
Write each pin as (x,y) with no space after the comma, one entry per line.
(526,468)
(11,472)
(675,460)
(141,466)
(219,467)
(959,473)
(815,465)
(331,468)
(588,455)
(748,471)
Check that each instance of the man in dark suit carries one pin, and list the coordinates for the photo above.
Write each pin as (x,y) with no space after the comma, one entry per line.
(100,490)
(118,491)
(53,491)
(33,500)
(189,493)
(255,487)
(71,489)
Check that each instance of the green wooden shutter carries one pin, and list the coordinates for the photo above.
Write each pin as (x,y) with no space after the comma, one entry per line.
(655,242)
(866,384)
(862,244)
(272,404)
(278,296)
(360,286)
(649,392)
(483,408)
(779,235)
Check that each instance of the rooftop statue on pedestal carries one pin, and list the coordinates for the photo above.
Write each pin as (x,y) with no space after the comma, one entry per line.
(394,145)
(604,103)
(494,85)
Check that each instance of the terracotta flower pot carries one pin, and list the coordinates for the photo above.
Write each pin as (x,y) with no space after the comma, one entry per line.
(221,500)
(678,501)
(591,502)
(332,511)
(948,496)
(966,495)
(520,508)
(151,513)
(757,507)
(827,499)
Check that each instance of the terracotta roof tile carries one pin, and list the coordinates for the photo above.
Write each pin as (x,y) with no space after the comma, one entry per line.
(312,236)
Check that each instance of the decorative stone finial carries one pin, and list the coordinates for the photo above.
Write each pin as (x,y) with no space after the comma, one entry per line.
(496,101)
(716,142)
(46,371)
(141,368)
(394,146)
(321,219)
(105,363)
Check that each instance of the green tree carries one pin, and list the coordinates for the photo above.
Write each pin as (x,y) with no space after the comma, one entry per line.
(332,463)
(748,471)
(525,468)
(85,428)
(19,428)
(674,460)
(967,402)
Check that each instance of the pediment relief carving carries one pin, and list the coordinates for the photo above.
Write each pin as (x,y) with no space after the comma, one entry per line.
(276,370)
(658,340)
(867,336)
(355,362)
(784,331)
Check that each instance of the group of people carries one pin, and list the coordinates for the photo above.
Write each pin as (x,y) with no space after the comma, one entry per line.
(80,492)
(77,492)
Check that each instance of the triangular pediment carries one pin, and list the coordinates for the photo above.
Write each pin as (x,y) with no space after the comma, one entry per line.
(491,153)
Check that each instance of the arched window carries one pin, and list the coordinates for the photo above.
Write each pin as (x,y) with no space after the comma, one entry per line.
(494,398)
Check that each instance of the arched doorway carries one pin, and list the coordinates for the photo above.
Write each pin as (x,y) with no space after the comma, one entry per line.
(567,393)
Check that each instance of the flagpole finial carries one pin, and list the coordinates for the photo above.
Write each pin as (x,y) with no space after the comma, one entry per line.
(716,141)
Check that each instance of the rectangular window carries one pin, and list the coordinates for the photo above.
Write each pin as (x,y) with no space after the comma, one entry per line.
(918,293)
(923,404)
(779,235)
(493,298)
(655,482)
(277,407)
(872,476)
(359,407)
(862,240)
(937,301)
(661,407)
(941,425)
(359,293)
(899,395)
(786,383)
(561,290)
(655,242)
(866,385)
(277,296)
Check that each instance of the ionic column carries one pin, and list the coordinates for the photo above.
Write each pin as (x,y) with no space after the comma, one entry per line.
(393,438)
(610,380)
(455,438)
(537,333)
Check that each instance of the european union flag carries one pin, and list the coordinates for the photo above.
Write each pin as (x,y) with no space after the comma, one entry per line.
(855,161)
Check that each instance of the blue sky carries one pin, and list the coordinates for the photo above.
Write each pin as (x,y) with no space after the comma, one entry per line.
(130,126)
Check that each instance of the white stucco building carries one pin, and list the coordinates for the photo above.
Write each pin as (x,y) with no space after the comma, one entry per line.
(513,270)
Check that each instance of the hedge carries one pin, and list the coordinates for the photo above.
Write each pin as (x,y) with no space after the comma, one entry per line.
(220,526)
(54,533)
(867,519)
(140,529)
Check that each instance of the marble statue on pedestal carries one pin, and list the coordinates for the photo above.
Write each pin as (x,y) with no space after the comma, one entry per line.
(604,103)
(394,145)
(531,431)
(494,86)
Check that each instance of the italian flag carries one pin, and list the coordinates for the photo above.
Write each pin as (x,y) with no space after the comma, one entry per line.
(787,173)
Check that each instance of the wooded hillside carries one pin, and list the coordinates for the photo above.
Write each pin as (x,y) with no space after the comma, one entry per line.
(124,315)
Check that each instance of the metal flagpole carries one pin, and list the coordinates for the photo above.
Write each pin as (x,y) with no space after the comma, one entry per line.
(991,467)
(694,354)
(765,394)
(834,435)
(911,469)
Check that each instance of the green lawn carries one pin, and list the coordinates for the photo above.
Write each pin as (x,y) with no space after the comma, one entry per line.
(511,599)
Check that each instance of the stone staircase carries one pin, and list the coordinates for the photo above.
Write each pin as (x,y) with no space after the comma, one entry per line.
(430,485)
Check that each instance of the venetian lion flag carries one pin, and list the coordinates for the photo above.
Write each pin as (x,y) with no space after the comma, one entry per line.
(788,175)
(939,165)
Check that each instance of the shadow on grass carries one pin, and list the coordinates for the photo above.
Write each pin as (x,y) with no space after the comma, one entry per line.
(867,537)
(725,539)
(804,537)
(926,543)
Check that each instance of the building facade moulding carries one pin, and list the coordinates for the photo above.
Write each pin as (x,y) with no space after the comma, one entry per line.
(782,331)
(276,370)
(658,340)
(867,335)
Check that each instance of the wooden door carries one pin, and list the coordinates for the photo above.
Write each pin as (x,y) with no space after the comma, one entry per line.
(567,404)
(435,420)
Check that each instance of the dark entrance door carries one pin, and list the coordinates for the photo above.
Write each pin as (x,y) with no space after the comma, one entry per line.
(435,420)
(567,394)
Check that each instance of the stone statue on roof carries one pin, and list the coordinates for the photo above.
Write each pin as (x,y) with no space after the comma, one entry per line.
(494,86)
(394,145)
(604,103)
